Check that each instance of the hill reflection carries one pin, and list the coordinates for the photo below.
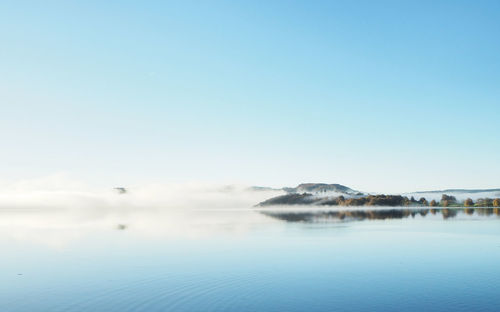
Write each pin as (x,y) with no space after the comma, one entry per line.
(378,214)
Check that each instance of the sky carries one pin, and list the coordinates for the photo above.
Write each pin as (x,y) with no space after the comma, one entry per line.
(381,96)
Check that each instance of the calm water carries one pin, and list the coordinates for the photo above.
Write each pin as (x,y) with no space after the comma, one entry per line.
(247,260)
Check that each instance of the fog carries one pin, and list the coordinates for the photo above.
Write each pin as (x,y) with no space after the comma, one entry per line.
(57,210)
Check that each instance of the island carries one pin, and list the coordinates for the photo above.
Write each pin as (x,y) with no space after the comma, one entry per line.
(321,194)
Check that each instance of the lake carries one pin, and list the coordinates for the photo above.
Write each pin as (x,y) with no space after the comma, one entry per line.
(287,259)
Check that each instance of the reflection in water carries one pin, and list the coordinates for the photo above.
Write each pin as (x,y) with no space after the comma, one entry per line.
(127,259)
(378,214)
(121,227)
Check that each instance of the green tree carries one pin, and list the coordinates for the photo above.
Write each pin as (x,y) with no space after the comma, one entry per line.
(406,201)
(450,199)
(484,202)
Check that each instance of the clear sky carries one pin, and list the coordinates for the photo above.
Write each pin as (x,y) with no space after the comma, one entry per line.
(377,95)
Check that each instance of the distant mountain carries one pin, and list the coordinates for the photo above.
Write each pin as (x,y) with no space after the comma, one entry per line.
(317,189)
(322,188)
(462,191)
(311,194)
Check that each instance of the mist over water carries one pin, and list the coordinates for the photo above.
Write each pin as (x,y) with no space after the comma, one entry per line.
(296,137)
(200,247)
(39,209)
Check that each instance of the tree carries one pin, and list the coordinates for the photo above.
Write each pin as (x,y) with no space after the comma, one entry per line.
(433,203)
(484,202)
(423,201)
(496,202)
(450,199)
(445,203)
(406,201)
(340,200)
(468,202)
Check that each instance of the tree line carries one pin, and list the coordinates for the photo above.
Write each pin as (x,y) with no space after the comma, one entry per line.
(378,200)
(398,200)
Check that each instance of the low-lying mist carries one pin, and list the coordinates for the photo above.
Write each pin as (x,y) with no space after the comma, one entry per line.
(56,210)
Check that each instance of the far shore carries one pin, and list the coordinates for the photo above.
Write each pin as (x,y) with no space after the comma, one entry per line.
(447,201)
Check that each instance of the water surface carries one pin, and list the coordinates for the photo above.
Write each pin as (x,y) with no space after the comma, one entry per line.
(251,260)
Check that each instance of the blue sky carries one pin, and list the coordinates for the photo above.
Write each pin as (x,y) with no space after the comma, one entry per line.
(379,95)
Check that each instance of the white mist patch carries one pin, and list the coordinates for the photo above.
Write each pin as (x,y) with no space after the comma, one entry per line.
(59,192)
(61,210)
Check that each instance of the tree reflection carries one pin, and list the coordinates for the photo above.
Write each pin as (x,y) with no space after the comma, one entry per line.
(376,214)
